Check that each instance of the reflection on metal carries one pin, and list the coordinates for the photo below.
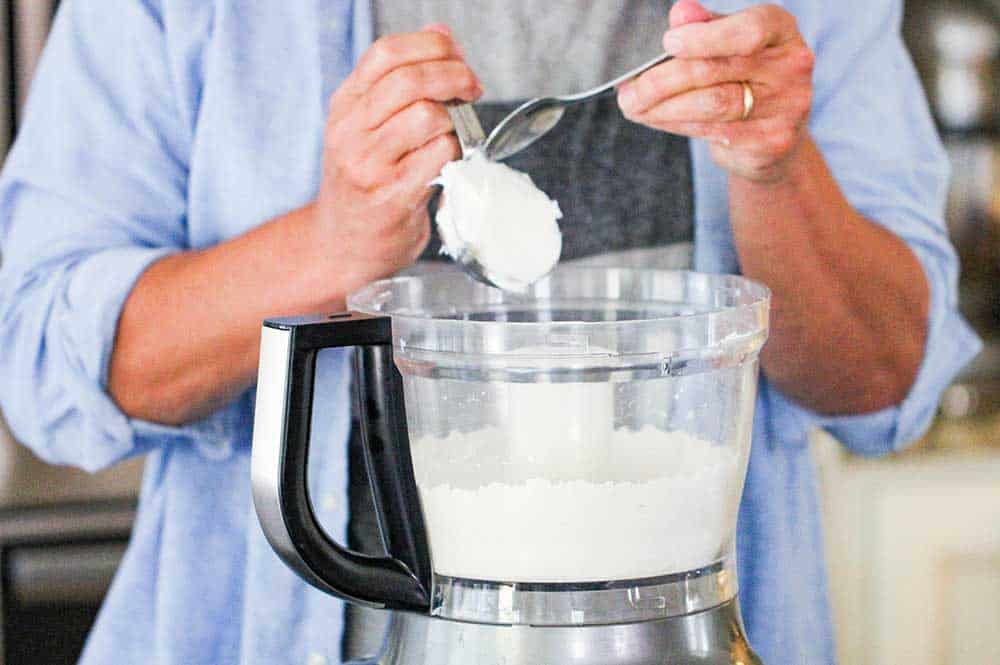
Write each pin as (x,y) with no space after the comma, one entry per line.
(62,574)
(555,604)
(712,637)
(56,563)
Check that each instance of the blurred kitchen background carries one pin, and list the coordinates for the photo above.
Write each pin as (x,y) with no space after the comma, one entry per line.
(913,540)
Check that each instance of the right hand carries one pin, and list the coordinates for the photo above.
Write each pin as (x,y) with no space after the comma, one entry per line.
(387,136)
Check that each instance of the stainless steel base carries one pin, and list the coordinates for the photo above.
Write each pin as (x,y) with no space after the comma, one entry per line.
(711,637)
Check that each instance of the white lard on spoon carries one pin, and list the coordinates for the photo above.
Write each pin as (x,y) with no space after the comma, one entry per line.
(498,217)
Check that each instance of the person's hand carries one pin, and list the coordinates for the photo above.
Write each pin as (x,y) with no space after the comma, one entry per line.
(387,136)
(699,93)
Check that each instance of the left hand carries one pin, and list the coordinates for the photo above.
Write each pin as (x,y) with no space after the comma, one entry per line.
(699,94)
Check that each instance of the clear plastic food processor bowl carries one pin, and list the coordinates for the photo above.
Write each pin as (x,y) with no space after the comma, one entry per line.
(579,450)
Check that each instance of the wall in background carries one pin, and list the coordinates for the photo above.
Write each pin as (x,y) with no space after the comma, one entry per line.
(24,25)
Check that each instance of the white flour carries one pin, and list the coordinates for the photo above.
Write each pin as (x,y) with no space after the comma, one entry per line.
(652,503)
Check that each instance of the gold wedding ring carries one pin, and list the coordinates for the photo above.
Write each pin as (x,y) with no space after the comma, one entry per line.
(748,100)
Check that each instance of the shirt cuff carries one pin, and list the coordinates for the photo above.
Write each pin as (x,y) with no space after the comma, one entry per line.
(85,321)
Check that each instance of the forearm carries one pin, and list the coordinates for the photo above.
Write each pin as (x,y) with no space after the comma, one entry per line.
(850,300)
(187,339)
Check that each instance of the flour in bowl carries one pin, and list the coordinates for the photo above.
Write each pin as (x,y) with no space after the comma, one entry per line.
(658,503)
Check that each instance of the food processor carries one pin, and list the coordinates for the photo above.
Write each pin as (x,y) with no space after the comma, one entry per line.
(557,473)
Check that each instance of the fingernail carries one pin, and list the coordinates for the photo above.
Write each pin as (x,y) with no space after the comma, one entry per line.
(672,44)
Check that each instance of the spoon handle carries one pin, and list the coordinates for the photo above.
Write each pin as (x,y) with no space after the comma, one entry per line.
(470,132)
(613,83)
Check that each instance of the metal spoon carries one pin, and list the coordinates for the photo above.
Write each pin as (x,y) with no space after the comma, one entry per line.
(522,127)
(472,139)
(470,133)
(533,119)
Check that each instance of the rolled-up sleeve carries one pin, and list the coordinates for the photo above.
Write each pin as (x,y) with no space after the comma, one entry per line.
(92,193)
(874,128)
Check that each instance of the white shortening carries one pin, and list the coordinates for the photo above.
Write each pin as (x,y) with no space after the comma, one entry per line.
(501,218)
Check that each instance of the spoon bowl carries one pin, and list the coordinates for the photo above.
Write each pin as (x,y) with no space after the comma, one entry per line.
(472,139)
(525,125)
(522,127)
(471,266)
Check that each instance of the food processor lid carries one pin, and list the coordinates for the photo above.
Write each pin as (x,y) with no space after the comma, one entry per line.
(616,316)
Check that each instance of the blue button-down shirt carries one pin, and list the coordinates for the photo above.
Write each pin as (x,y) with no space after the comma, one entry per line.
(156,126)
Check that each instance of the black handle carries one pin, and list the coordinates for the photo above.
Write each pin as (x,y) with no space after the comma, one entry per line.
(281,452)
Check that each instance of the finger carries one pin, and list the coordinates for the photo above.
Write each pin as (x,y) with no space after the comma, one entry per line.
(718,103)
(729,134)
(442,81)
(762,138)
(688,11)
(390,52)
(372,167)
(400,241)
(751,136)
(445,30)
(743,33)
(420,229)
(676,76)
(410,129)
(418,168)
(405,224)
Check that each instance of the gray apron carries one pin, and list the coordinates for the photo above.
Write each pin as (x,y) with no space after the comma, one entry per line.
(627,199)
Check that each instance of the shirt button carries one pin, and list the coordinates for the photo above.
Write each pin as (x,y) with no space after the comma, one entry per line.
(316,658)
(329,504)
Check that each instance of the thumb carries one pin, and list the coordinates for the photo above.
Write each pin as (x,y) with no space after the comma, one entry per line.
(689,11)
